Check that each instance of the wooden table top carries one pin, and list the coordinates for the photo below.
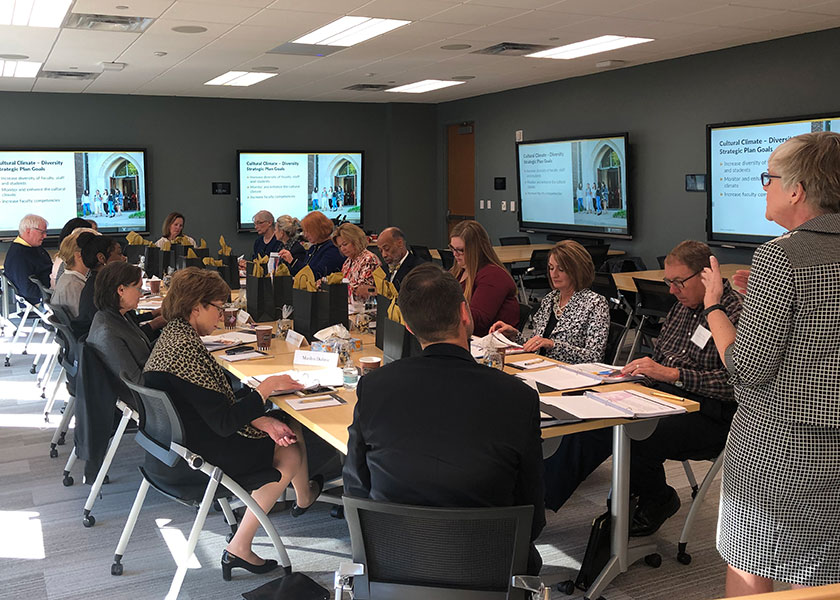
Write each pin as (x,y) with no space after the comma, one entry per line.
(514,254)
(624,281)
(331,423)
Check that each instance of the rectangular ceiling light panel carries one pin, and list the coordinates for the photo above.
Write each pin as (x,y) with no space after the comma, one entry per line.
(240,78)
(33,13)
(587,47)
(427,85)
(19,68)
(348,31)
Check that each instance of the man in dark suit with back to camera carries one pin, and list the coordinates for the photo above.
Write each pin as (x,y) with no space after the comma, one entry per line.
(400,260)
(440,429)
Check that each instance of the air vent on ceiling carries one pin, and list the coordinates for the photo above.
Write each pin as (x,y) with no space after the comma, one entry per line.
(369,87)
(511,49)
(115,23)
(305,49)
(68,75)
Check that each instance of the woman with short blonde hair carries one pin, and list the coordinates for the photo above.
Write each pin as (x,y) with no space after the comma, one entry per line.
(358,269)
(287,232)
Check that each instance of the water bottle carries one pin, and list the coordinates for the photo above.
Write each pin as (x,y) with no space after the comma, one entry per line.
(350,374)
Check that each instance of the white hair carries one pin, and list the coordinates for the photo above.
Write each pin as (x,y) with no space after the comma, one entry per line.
(31,222)
(264,215)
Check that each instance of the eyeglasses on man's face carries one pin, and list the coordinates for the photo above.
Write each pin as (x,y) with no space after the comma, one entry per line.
(679,283)
(766,177)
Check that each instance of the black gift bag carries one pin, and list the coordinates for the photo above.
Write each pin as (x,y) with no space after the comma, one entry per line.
(157,261)
(382,304)
(182,262)
(282,293)
(229,271)
(133,254)
(397,341)
(316,310)
(260,299)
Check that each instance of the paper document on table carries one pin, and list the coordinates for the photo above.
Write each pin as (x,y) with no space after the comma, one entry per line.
(310,379)
(637,404)
(244,356)
(606,373)
(531,363)
(582,407)
(560,378)
(227,340)
(495,340)
(150,303)
(314,402)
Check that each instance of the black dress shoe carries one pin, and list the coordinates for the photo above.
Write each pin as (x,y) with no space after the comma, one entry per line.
(296,510)
(230,561)
(649,517)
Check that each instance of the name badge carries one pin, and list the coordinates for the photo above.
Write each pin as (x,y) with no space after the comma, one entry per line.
(294,338)
(318,359)
(701,337)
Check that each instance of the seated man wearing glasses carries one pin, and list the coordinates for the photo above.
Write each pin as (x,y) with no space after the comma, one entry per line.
(26,257)
(685,363)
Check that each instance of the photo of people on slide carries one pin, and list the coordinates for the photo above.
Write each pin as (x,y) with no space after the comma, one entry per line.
(598,183)
(112,188)
(334,184)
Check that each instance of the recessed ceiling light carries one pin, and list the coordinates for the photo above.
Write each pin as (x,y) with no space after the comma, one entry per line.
(33,13)
(13,56)
(348,31)
(240,78)
(456,47)
(160,53)
(427,85)
(189,29)
(19,68)
(587,47)
(464,77)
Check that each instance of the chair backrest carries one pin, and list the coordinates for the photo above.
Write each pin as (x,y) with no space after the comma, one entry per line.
(414,552)
(653,298)
(66,339)
(525,311)
(604,284)
(46,293)
(661,261)
(160,424)
(515,240)
(422,252)
(599,254)
(446,258)
(539,261)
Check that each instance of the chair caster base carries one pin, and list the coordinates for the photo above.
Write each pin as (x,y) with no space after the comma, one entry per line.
(88,520)
(116,569)
(653,560)
(683,557)
(53,451)
(337,512)
(7,363)
(32,369)
(567,587)
(61,441)
(68,480)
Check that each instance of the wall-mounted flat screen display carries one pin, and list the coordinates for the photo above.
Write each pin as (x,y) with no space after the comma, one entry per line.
(105,185)
(287,183)
(737,155)
(575,186)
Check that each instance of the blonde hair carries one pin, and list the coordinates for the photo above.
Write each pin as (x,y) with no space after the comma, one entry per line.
(70,245)
(352,234)
(812,159)
(317,223)
(478,252)
(289,225)
(575,261)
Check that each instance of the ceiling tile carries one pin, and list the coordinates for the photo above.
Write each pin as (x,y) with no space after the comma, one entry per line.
(87,49)
(727,15)
(209,13)
(409,10)
(474,14)
(826,8)
(593,7)
(13,84)
(136,8)
(520,4)
(337,7)
(59,85)
(34,42)
(251,3)
(542,20)
(666,9)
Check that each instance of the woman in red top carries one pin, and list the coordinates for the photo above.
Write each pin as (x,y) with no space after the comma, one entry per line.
(488,287)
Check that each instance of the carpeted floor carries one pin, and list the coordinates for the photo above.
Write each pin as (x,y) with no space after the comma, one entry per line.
(45,552)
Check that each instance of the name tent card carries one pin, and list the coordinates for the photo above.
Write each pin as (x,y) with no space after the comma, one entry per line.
(316,359)
(294,338)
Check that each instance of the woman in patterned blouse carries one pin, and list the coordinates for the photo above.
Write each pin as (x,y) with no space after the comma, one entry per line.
(572,321)
(360,264)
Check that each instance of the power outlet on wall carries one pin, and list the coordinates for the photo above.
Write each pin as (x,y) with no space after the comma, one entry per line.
(504,205)
(481,204)
(513,206)
(488,204)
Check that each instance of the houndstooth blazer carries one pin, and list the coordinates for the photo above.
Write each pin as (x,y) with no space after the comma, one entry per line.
(785,359)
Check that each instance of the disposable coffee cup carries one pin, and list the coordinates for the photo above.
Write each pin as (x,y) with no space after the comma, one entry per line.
(231,312)
(154,286)
(369,363)
(263,336)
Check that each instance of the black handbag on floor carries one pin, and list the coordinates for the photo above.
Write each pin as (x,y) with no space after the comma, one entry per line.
(294,586)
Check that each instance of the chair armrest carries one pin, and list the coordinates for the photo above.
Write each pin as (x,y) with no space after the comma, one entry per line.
(530,269)
(533,584)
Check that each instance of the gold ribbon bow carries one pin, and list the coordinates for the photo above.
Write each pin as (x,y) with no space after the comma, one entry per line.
(203,244)
(394,312)
(305,280)
(335,278)
(282,270)
(191,253)
(225,250)
(212,262)
(259,268)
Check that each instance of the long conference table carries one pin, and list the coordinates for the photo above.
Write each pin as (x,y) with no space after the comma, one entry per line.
(331,423)
(521,253)
(624,281)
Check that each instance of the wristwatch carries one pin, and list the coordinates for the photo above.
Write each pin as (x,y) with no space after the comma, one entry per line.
(713,308)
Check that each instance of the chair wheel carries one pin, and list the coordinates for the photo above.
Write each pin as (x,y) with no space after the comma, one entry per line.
(337,512)
(53,453)
(567,587)
(684,558)
(8,364)
(61,441)
(653,560)
(116,569)
(46,417)
(67,481)
(89,521)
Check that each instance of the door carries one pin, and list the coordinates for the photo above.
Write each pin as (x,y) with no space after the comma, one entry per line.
(460,153)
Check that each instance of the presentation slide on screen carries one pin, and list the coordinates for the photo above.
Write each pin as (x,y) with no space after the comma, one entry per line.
(105,186)
(738,158)
(580,182)
(295,184)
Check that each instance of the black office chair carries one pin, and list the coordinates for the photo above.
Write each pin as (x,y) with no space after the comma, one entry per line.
(161,435)
(661,261)
(515,240)
(422,252)
(653,301)
(621,314)
(416,553)
(40,315)
(698,494)
(68,357)
(525,311)
(446,258)
(598,253)
(536,275)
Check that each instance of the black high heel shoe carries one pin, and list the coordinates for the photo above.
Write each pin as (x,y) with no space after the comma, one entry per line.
(296,510)
(230,561)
